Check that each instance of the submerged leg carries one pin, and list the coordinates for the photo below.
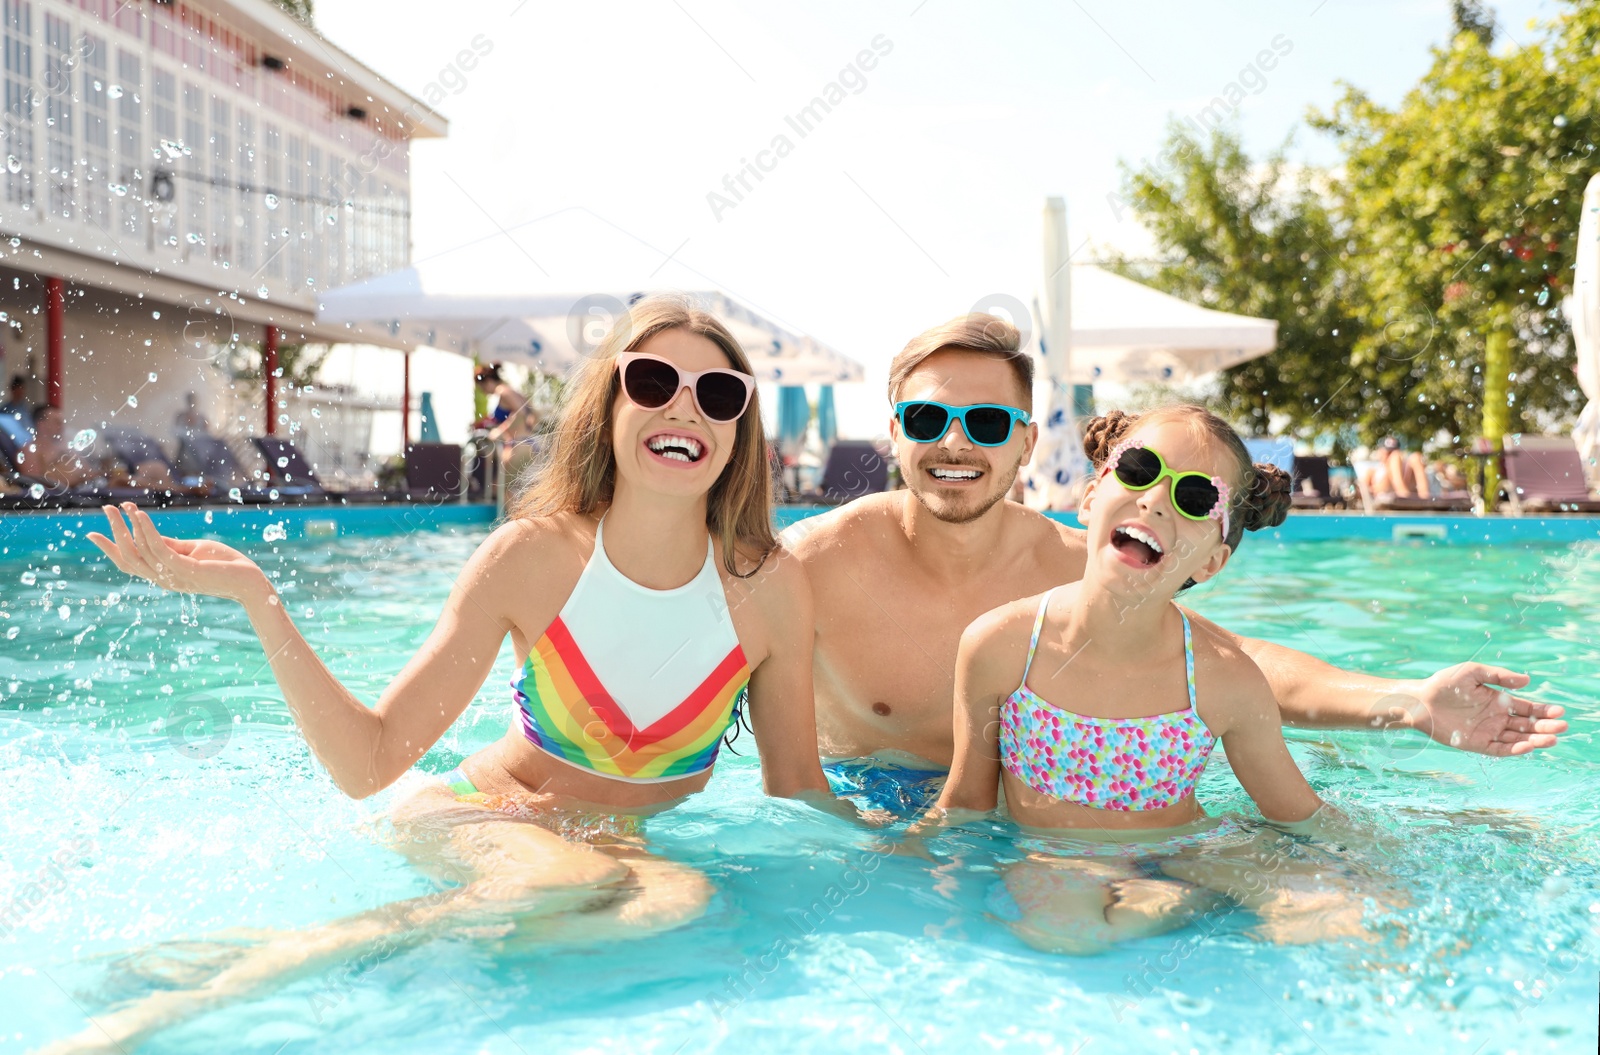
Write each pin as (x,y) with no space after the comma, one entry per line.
(1297,901)
(514,869)
(1084,906)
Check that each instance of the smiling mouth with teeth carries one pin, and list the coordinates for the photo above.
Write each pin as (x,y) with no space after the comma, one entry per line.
(955,475)
(676,448)
(1139,544)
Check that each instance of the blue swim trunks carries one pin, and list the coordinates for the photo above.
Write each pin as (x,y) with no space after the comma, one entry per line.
(875,784)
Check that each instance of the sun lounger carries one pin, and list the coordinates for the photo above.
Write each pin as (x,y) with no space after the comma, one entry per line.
(854,468)
(287,468)
(1544,474)
(35,492)
(214,463)
(1312,470)
(1387,502)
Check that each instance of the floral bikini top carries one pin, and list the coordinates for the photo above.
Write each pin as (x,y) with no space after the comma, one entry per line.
(1107,763)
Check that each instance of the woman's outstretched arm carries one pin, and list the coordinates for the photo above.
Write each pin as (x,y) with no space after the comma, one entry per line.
(364,749)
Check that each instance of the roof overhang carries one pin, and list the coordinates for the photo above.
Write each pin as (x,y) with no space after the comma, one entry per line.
(296,324)
(303,48)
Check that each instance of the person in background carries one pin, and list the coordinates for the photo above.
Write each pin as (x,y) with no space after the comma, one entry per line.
(17,406)
(512,418)
(49,456)
(1399,472)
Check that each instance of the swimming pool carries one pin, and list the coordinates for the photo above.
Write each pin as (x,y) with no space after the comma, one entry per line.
(157,793)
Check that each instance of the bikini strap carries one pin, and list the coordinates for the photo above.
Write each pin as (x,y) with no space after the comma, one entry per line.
(1038,624)
(1188,655)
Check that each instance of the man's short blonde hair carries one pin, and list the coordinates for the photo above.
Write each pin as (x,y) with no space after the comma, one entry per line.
(978,333)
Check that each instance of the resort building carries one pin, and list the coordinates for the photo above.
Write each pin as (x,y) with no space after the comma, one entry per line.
(181,179)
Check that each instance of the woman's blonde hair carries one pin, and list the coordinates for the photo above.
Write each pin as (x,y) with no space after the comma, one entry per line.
(578,469)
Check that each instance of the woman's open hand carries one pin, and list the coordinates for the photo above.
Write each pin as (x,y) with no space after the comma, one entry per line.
(185,565)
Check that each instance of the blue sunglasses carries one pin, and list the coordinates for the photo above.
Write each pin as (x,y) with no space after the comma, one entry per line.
(986,424)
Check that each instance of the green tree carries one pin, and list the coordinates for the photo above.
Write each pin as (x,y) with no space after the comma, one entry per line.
(300,9)
(1256,240)
(1463,203)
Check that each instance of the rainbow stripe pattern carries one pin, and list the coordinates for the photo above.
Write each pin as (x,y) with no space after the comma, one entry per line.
(567,712)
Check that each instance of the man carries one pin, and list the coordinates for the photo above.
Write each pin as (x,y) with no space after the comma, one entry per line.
(898,576)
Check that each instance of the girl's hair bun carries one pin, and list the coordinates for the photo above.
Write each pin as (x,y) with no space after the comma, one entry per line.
(1267,501)
(1101,434)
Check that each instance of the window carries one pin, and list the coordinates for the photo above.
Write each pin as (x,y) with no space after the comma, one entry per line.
(19,102)
(315,235)
(272,191)
(244,252)
(96,159)
(58,63)
(295,201)
(168,153)
(191,184)
(130,143)
(221,192)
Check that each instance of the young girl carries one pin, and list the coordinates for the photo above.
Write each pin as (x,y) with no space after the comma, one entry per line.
(1097,706)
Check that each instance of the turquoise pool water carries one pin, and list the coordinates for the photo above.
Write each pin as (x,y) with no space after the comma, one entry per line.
(156,793)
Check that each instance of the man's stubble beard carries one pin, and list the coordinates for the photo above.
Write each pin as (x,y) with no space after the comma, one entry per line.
(960,516)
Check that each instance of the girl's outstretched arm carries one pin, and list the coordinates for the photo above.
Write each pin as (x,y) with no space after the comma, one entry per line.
(363,749)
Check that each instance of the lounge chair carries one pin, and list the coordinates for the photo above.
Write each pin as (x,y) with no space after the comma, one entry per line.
(38,493)
(854,468)
(1386,502)
(1312,470)
(287,468)
(132,449)
(213,462)
(1544,474)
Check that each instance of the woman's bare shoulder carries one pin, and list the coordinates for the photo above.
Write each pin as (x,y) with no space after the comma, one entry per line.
(539,544)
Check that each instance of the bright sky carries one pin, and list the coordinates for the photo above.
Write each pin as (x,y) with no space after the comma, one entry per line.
(919,195)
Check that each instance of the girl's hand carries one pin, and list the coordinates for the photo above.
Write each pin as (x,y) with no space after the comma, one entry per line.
(185,565)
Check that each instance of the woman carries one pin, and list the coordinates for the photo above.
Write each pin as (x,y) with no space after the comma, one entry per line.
(642,587)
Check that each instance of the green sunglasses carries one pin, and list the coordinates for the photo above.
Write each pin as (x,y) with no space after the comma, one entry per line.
(1195,495)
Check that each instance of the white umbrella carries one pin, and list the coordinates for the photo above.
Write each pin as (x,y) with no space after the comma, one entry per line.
(1058,461)
(1126,332)
(546,294)
(1583,310)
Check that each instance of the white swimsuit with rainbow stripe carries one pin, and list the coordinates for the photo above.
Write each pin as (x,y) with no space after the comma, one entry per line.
(634,683)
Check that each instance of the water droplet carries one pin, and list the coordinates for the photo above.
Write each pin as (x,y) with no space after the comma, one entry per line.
(283,463)
(119,189)
(115,91)
(234,495)
(262,292)
(64,611)
(11,634)
(113,597)
(208,516)
(310,614)
(274,533)
(13,163)
(152,377)
(29,578)
(333,219)
(133,401)
(1544,296)
(83,440)
(192,238)
(271,201)
(273,495)
(36,492)
(155,315)
(315,412)
(1560,120)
